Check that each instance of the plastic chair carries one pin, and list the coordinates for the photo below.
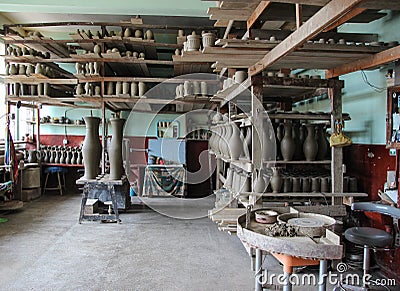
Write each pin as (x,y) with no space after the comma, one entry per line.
(59,171)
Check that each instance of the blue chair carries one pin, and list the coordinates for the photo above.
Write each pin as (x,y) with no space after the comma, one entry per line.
(59,171)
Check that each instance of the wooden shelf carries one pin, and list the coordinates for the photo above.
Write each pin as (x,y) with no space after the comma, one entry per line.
(63,124)
(280,162)
(62,165)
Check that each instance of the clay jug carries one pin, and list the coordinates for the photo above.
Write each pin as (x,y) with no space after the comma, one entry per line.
(235,143)
(259,182)
(68,159)
(276,180)
(115,148)
(228,134)
(91,148)
(322,145)
(53,156)
(63,157)
(287,184)
(288,146)
(298,149)
(74,157)
(96,66)
(268,142)
(305,181)
(310,146)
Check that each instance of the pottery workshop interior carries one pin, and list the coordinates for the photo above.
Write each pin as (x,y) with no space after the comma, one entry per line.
(200,145)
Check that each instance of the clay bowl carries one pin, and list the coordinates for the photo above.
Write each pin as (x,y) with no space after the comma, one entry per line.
(309,224)
(266,216)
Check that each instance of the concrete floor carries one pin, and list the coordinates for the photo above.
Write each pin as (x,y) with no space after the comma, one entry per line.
(43,247)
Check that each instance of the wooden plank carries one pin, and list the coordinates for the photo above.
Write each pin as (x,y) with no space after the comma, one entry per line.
(316,24)
(369,4)
(299,15)
(256,13)
(228,28)
(378,59)
(225,14)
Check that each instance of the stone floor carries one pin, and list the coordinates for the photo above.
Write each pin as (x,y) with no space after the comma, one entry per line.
(43,247)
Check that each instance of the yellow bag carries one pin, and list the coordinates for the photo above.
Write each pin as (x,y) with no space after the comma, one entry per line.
(338,139)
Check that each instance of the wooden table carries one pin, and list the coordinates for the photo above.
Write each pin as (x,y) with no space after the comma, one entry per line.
(100,181)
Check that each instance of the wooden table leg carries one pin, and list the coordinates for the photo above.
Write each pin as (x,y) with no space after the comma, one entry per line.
(114,201)
(83,202)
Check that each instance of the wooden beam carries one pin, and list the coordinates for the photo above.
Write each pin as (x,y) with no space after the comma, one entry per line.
(299,15)
(256,13)
(231,14)
(316,24)
(354,12)
(228,29)
(378,59)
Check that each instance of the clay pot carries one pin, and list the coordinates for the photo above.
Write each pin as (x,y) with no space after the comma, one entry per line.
(322,145)
(68,159)
(110,88)
(40,89)
(196,88)
(296,184)
(149,35)
(22,70)
(127,32)
(91,148)
(276,180)
(97,49)
(259,183)
(325,185)
(118,88)
(138,33)
(203,88)
(134,89)
(240,76)
(38,69)
(288,146)
(79,89)
(125,88)
(229,178)
(14,70)
(310,146)
(315,184)
(193,42)
(115,148)
(74,157)
(97,90)
(247,143)
(235,143)
(96,66)
(79,157)
(287,184)
(306,186)
(142,89)
(187,88)
(208,39)
(298,149)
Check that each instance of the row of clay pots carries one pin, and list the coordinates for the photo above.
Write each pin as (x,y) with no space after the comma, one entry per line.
(19,52)
(189,88)
(28,70)
(19,89)
(128,32)
(238,180)
(88,69)
(134,89)
(194,41)
(297,144)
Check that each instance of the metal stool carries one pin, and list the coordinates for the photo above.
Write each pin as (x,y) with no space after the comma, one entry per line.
(369,237)
(58,171)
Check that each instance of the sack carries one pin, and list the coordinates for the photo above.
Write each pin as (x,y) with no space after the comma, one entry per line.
(339,140)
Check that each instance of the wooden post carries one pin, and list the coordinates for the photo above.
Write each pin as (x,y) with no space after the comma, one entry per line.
(299,15)
(258,120)
(103,137)
(335,96)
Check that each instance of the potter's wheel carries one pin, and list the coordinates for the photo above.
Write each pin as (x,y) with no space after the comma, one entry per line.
(306,222)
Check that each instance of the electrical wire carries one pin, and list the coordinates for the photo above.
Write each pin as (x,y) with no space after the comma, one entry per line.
(366,81)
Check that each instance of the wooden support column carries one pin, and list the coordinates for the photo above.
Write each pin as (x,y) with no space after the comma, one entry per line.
(37,128)
(335,96)
(299,15)
(257,13)
(103,137)
(257,130)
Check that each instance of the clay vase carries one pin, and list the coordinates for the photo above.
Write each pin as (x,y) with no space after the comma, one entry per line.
(235,143)
(97,49)
(247,142)
(115,148)
(74,157)
(96,66)
(322,145)
(134,89)
(68,159)
(127,32)
(259,183)
(288,146)
(315,184)
(58,157)
(110,88)
(91,148)
(228,134)
(32,156)
(63,157)
(279,137)
(53,156)
(79,89)
(149,35)
(208,39)
(203,88)
(276,180)
(310,146)
(298,149)
(268,143)
(305,181)
(287,184)
(79,158)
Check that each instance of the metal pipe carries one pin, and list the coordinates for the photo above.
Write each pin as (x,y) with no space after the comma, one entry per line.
(323,268)
(366,264)
(287,286)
